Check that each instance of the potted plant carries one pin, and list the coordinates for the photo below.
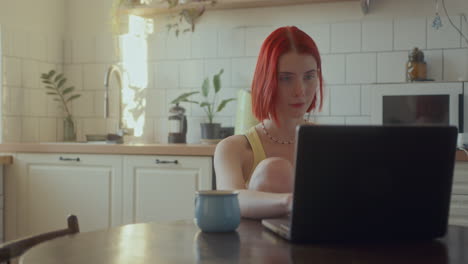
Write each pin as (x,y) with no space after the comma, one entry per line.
(211,106)
(55,85)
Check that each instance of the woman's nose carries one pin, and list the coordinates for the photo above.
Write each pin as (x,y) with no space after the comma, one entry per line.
(298,89)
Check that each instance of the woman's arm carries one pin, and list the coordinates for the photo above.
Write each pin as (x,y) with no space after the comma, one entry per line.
(228,164)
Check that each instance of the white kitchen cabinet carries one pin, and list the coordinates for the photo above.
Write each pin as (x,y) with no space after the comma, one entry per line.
(162,188)
(459,203)
(48,187)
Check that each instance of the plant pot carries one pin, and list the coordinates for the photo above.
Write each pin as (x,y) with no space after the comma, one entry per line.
(210,130)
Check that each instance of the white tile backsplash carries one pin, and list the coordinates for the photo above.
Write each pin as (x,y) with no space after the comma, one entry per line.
(48,129)
(377,35)
(345,100)
(355,54)
(320,34)
(391,67)
(179,47)
(254,38)
(38,103)
(334,68)
(409,33)
(444,37)
(30,130)
(204,44)
(156,103)
(435,64)
(30,74)
(242,72)
(12,127)
(192,73)
(158,49)
(93,76)
(464,29)
(84,49)
(166,75)
(366,93)
(74,75)
(357,120)
(361,68)
(455,64)
(346,37)
(84,105)
(231,43)
(329,120)
(106,49)
(55,48)
(12,71)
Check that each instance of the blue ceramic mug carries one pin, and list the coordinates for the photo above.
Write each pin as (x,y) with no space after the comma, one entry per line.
(217,211)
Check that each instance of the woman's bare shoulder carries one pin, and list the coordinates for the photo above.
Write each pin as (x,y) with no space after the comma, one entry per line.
(236,143)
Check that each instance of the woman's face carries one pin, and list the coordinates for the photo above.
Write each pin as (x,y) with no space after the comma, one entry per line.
(297,84)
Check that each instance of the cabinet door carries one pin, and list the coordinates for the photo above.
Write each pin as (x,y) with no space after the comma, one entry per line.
(162,188)
(51,186)
(459,203)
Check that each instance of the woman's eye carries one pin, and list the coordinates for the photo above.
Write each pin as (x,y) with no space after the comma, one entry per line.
(309,77)
(285,78)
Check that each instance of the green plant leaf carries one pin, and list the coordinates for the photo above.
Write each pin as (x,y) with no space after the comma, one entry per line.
(223,104)
(47,82)
(217,81)
(68,90)
(56,99)
(62,81)
(205,87)
(50,87)
(205,104)
(183,97)
(50,74)
(73,97)
(52,93)
(44,76)
(190,101)
(58,77)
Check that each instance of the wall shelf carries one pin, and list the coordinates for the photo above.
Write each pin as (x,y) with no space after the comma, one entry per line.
(162,8)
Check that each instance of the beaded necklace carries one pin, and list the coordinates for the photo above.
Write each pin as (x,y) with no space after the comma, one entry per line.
(279,141)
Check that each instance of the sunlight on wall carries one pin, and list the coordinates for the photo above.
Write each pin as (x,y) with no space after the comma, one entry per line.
(135,63)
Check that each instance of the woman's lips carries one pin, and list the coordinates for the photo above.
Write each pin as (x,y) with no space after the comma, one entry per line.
(298,105)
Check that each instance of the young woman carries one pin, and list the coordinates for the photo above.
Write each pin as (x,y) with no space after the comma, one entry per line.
(287,84)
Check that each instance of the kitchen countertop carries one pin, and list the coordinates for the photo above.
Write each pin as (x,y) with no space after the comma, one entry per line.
(6,160)
(117,149)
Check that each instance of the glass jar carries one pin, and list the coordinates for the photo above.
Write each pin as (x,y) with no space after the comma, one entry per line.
(69,133)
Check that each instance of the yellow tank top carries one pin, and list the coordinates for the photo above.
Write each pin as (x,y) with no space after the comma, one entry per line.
(257,149)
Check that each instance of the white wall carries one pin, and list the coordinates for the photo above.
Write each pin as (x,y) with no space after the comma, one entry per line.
(231,39)
(33,15)
(32,42)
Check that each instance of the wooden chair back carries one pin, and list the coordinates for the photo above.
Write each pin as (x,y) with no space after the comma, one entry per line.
(16,248)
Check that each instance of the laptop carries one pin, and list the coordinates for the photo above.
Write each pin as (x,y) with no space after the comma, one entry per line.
(370,183)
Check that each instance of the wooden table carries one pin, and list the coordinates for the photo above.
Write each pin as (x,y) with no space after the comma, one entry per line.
(182,242)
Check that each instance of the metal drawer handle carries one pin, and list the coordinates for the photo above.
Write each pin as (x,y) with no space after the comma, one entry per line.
(69,159)
(166,161)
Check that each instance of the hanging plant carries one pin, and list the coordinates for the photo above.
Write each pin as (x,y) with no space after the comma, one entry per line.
(189,15)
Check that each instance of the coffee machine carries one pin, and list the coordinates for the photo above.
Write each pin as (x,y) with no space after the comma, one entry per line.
(177,125)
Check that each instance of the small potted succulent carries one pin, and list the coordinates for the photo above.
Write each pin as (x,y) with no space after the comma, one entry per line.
(209,130)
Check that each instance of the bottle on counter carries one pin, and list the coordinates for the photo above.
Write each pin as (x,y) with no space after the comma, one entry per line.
(416,68)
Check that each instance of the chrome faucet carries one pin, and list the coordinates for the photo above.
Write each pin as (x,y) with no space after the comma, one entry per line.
(118,73)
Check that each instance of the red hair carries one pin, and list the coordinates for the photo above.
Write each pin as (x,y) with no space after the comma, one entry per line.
(265,81)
